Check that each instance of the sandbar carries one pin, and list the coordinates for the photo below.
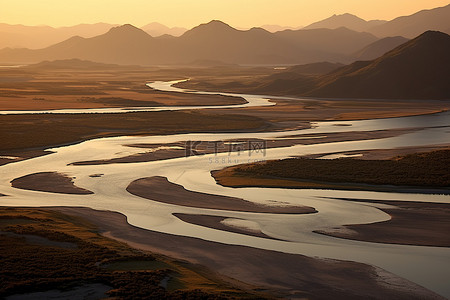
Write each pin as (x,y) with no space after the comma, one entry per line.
(159,189)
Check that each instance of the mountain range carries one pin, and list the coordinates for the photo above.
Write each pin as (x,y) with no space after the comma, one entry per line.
(406,26)
(215,41)
(37,37)
(417,69)
(222,44)
(437,19)
(346,20)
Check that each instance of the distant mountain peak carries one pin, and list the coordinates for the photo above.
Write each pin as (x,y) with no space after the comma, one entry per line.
(126,29)
(345,20)
(216,25)
(346,15)
(424,43)
(212,27)
(258,29)
(432,34)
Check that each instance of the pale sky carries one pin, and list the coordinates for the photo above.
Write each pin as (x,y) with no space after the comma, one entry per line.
(189,13)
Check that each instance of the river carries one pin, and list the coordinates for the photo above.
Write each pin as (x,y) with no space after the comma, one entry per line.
(427,266)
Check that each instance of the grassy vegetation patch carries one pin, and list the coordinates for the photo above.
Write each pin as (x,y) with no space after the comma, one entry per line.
(20,132)
(426,170)
(28,267)
(136,265)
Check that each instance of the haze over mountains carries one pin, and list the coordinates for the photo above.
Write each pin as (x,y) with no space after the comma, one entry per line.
(220,43)
(212,41)
(37,37)
(346,20)
(406,26)
(411,26)
(157,29)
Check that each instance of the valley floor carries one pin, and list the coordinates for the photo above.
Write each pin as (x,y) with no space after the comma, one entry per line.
(185,266)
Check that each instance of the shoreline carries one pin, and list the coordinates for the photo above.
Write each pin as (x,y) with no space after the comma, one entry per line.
(318,278)
(397,174)
(411,223)
(280,182)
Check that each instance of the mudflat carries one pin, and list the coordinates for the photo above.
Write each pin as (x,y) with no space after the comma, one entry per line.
(217,222)
(159,189)
(411,223)
(52,182)
(288,275)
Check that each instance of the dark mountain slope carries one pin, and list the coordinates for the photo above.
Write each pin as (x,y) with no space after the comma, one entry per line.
(418,69)
(380,47)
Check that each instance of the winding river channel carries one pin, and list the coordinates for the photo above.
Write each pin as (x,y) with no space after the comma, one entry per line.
(426,266)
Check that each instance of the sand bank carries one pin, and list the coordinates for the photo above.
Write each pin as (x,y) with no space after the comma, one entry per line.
(159,189)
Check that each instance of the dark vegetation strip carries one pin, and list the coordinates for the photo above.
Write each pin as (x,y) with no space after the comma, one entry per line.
(430,169)
(29,267)
(20,132)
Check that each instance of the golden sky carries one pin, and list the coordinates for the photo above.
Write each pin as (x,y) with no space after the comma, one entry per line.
(189,13)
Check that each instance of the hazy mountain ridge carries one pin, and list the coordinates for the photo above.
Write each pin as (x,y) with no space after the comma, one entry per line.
(36,37)
(73,64)
(407,26)
(156,29)
(215,41)
(341,40)
(274,28)
(345,20)
(437,19)
(380,47)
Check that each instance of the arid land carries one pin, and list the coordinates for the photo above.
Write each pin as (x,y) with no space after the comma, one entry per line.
(255,272)
(427,170)
(43,87)
(58,254)
(264,271)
